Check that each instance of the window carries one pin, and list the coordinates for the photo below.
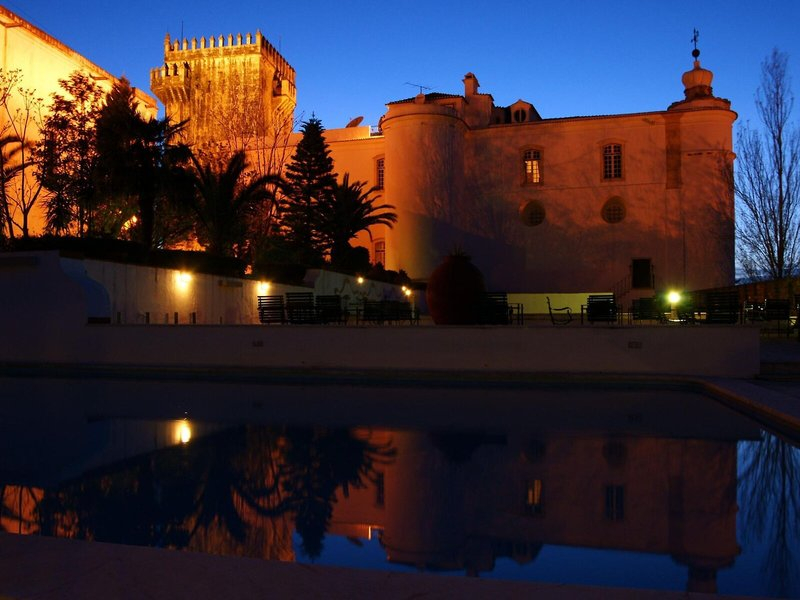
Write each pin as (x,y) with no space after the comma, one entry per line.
(520,116)
(612,161)
(379,489)
(613,211)
(532,213)
(534,504)
(615,502)
(379,166)
(379,252)
(532,165)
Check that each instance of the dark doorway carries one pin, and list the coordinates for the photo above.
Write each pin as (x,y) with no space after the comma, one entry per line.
(641,273)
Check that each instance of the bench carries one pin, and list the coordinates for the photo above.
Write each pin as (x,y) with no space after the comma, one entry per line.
(271,309)
(494,309)
(647,309)
(601,308)
(329,309)
(300,309)
(723,307)
(777,309)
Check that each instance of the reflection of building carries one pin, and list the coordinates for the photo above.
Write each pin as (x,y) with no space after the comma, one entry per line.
(459,502)
(43,61)
(623,202)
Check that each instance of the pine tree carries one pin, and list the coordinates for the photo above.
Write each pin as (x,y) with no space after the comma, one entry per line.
(310,182)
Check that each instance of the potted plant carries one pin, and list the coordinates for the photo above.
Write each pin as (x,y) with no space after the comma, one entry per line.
(454,291)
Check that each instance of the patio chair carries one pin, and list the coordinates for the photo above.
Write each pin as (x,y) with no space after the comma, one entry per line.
(561,316)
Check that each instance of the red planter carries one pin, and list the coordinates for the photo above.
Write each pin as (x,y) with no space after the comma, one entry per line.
(455,289)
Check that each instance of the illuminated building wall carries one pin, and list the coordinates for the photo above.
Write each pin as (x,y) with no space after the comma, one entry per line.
(43,61)
(624,203)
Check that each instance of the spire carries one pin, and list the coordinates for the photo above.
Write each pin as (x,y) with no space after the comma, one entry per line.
(697,82)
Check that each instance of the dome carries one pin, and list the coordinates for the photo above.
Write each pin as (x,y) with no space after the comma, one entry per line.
(697,82)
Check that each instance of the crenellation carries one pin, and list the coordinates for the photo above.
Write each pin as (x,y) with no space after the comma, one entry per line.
(242,63)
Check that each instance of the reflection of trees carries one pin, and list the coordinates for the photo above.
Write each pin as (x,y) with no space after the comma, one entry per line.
(769,486)
(316,463)
(230,492)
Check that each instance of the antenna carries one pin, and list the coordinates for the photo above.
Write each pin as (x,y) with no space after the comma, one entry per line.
(421,87)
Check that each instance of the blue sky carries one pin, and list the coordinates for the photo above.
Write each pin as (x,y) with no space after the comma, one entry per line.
(568,58)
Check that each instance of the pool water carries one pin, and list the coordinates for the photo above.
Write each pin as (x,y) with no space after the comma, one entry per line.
(627,486)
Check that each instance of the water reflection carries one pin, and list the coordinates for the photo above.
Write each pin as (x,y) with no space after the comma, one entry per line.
(652,479)
(769,487)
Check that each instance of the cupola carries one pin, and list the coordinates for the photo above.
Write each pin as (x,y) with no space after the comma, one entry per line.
(697,82)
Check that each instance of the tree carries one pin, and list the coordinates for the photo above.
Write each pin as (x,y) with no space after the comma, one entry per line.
(137,159)
(310,181)
(10,148)
(68,153)
(223,203)
(767,180)
(349,211)
(23,120)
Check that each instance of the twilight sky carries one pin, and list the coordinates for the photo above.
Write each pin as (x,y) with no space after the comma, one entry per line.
(568,58)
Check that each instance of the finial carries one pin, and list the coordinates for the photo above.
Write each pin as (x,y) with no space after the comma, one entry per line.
(695,37)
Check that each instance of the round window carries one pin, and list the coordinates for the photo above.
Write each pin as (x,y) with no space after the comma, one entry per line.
(532,213)
(613,211)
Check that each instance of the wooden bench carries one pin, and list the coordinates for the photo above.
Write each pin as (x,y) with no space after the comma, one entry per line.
(647,309)
(723,307)
(779,310)
(271,309)
(601,308)
(329,309)
(300,309)
(493,309)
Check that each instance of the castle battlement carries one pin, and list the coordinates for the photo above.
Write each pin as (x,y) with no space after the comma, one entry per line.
(181,50)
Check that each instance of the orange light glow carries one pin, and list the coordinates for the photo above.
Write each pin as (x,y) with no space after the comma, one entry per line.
(263,288)
(183,280)
(360,281)
(182,432)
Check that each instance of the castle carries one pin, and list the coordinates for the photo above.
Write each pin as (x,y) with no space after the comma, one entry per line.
(629,203)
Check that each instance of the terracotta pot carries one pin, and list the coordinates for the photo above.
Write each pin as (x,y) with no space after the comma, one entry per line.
(454,292)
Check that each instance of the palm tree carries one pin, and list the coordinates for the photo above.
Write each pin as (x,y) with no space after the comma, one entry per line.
(351,210)
(223,202)
(10,147)
(136,156)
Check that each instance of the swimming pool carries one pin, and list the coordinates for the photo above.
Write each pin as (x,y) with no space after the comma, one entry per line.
(620,484)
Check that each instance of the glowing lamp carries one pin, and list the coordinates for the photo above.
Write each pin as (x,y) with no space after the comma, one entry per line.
(360,280)
(673,297)
(263,288)
(407,291)
(182,431)
(182,280)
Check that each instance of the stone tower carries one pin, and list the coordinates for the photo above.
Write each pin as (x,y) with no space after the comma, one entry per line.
(233,91)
